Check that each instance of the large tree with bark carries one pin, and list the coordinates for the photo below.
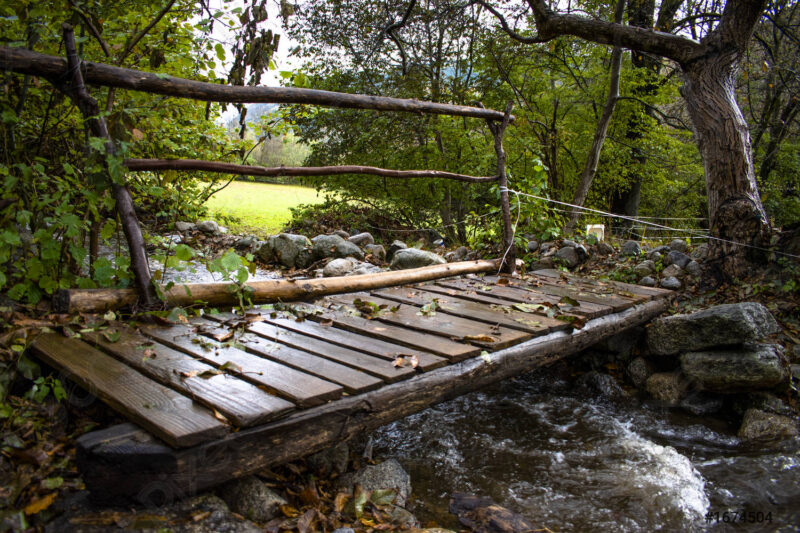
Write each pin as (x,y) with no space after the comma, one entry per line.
(709,66)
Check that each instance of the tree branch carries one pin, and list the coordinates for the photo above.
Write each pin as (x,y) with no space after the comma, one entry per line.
(506,27)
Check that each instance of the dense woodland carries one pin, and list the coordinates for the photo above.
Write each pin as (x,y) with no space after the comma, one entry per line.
(57,206)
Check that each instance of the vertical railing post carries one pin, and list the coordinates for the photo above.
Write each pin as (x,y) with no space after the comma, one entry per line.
(76,90)
(509,258)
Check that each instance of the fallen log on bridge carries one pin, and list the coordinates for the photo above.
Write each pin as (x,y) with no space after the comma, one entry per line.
(268,291)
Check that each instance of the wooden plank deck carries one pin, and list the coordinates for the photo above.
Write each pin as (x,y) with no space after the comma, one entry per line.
(315,372)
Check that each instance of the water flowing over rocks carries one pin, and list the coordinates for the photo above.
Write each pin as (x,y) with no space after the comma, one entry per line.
(414,258)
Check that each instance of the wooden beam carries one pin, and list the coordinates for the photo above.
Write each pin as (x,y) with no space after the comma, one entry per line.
(269,291)
(54,68)
(124,462)
(248,170)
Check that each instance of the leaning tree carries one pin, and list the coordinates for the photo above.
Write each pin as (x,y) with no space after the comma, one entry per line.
(709,66)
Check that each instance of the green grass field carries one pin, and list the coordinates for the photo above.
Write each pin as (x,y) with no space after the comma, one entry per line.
(259,208)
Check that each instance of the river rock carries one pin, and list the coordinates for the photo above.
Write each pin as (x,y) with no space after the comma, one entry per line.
(654,255)
(671,282)
(679,245)
(287,249)
(631,248)
(603,248)
(602,383)
(701,403)
(338,267)
(727,324)
(414,258)
(364,268)
(532,246)
(544,263)
(754,366)
(401,517)
(647,281)
(760,425)
(208,226)
(377,251)
(645,268)
(639,370)
(694,269)
(459,254)
(548,247)
(667,387)
(248,241)
(184,226)
(362,239)
(393,248)
(252,498)
(701,252)
(330,461)
(677,258)
(672,271)
(761,400)
(482,515)
(334,246)
(568,257)
(663,250)
(569,242)
(386,475)
(622,344)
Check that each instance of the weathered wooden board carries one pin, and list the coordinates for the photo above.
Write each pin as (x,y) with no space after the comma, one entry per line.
(299,387)
(292,354)
(580,293)
(369,345)
(647,293)
(487,336)
(520,295)
(169,415)
(490,314)
(240,401)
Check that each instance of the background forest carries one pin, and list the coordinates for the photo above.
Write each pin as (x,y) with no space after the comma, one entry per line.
(57,209)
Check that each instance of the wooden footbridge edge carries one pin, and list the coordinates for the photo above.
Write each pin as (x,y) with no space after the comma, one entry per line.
(125,463)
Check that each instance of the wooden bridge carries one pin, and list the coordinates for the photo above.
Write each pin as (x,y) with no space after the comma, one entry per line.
(226,395)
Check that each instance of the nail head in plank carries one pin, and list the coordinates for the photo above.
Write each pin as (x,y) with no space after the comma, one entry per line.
(303,389)
(169,415)
(240,401)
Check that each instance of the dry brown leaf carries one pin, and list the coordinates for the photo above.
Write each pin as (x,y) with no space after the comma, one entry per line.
(480,338)
(222,336)
(149,353)
(200,515)
(289,511)
(340,501)
(326,323)
(503,281)
(41,504)
(309,495)
(219,416)
(306,522)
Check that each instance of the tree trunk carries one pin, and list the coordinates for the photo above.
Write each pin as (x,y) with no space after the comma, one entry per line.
(723,138)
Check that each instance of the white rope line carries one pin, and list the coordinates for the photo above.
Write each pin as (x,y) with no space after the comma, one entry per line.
(514,227)
(464,221)
(660,226)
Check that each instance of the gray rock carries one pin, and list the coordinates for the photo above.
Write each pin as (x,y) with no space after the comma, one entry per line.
(672,270)
(754,366)
(362,239)
(364,268)
(603,383)
(377,251)
(701,252)
(760,425)
(344,530)
(647,281)
(548,247)
(252,498)
(679,245)
(245,242)
(701,403)
(639,370)
(414,258)
(622,344)
(386,475)
(671,282)
(184,226)
(663,250)
(338,267)
(654,256)
(694,269)
(341,233)
(334,246)
(223,230)
(603,248)
(459,254)
(532,246)
(393,248)
(761,400)
(631,248)
(287,249)
(569,242)
(208,226)
(544,263)
(402,517)
(645,268)
(330,461)
(667,387)
(677,258)
(722,325)
(568,257)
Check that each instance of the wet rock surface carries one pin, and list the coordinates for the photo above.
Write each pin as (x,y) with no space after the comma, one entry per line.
(761,425)
(756,366)
(386,475)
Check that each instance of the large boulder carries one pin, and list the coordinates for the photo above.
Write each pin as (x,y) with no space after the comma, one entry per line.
(386,475)
(334,246)
(754,366)
(414,258)
(252,498)
(631,248)
(393,248)
(568,257)
(723,325)
(677,258)
(362,239)
(760,425)
(287,249)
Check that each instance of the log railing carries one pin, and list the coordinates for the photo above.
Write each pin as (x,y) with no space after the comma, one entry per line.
(69,77)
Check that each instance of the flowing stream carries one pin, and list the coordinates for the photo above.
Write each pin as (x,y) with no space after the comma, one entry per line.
(572,461)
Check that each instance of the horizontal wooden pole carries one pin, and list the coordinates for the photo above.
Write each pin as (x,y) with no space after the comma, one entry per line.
(248,170)
(268,291)
(55,68)
(125,462)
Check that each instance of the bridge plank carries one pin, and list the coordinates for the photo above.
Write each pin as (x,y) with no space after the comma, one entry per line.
(584,293)
(169,415)
(369,345)
(275,343)
(506,316)
(646,293)
(441,324)
(240,401)
(520,295)
(301,388)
